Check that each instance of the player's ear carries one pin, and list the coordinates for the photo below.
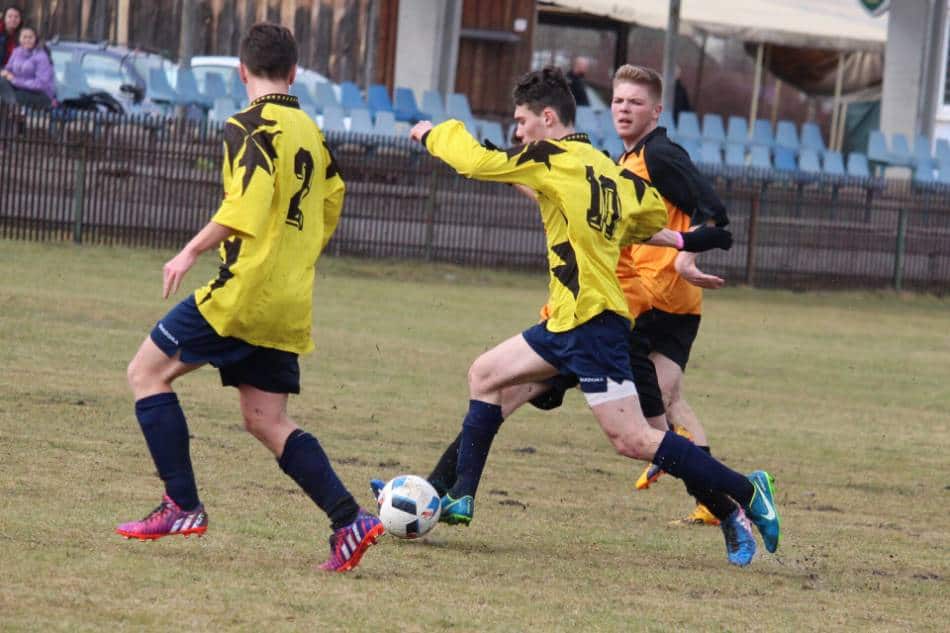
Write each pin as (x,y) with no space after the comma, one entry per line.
(242,73)
(293,75)
(549,116)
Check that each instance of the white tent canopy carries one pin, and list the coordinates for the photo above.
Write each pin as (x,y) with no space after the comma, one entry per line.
(835,24)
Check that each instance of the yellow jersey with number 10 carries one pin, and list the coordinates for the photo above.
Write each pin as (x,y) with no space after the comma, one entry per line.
(282,197)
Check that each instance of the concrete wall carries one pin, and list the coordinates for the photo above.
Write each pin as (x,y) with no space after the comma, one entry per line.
(427,44)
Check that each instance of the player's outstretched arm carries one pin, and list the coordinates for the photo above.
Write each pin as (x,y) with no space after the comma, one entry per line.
(699,240)
(685,265)
(175,269)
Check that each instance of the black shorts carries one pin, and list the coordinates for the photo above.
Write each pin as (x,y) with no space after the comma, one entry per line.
(644,378)
(669,334)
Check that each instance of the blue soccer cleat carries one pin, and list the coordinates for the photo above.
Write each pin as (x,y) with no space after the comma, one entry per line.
(740,542)
(761,510)
(457,511)
(376,485)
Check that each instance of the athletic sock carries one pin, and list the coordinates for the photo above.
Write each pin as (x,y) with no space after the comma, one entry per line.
(443,475)
(478,430)
(306,463)
(700,470)
(166,433)
(717,503)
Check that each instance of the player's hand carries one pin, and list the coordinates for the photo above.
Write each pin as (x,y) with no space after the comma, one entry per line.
(174,272)
(526,191)
(706,238)
(419,130)
(703,280)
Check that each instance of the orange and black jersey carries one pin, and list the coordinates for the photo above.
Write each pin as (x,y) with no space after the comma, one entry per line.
(647,273)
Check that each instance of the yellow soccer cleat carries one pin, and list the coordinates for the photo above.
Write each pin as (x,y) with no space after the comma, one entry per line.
(652,472)
(699,516)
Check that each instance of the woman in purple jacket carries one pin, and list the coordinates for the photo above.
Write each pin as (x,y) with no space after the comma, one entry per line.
(28,78)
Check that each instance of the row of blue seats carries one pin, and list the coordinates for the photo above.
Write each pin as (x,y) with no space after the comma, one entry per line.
(809,161)
(784,135)
(899,153)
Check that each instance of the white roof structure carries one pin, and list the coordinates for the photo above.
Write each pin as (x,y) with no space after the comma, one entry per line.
(834,24)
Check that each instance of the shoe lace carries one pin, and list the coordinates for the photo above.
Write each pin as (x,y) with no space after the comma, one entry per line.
(162,508)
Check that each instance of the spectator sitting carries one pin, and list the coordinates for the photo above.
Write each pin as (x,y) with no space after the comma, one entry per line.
(9,33)
(28,78)
(575,79)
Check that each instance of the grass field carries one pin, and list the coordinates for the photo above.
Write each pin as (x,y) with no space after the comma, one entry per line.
(845,398)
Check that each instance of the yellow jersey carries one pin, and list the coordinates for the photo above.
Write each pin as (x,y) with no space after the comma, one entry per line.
(283,194)
(590,208)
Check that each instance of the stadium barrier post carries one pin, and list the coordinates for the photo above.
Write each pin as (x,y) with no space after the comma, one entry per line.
(899,248)
(752,236)
(79,192)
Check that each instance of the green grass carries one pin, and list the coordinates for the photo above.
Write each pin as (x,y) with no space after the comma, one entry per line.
(843,397)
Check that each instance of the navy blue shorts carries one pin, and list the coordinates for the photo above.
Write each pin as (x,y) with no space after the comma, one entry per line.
(593,351)
(184,330)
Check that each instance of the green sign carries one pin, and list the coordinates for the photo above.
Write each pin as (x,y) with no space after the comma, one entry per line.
(876,7)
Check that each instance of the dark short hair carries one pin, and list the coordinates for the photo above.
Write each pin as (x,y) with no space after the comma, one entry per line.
(269,50)
(546,88)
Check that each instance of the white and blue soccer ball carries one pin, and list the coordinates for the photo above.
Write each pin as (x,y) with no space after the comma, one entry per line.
(409,506)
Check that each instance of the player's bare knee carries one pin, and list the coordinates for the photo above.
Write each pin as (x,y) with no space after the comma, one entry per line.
(479,377)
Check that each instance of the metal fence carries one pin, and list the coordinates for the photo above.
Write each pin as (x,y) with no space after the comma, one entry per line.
(147,182)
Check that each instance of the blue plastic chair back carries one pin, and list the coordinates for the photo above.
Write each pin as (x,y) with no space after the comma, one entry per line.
(858,165)
(877,147)
(159,90)
(760,157)
(786,135)
(326,97)
(350,97)
(606,120)
(943,150)
(457,107)
(784,159)
(613,146)
(491,131)
(834,163)
(688,126)
(333,119)
(808,161)
(709,153)
(922,157)
(713,129)
(924,174)
(406,108)
(378,99)
(237,90)
(385,124)
(900,150)
(74,82)
(215,87)
(735,155)
(187,88)
(692,147)
(434,105)
(737,130)
(762,133)
(943,172)
(307,102)
(666,120)
(222,109)
(811,137)
(361,121)
(586,121)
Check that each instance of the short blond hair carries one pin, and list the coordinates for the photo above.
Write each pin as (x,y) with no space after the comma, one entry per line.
(643,76)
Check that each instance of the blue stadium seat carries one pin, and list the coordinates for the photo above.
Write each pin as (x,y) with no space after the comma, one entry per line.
(784,159)
(666,120)
(606,120)
(924,174)
(760,157)
(74,82)
(385,124)
(943,172)
(326,97)
(762,133)
(187,88)
(687,128)
(786,135)
(361,121)
(586,121)
(434,105)
(735,155)
(457,107)
(333,119)
(943,149)
(223,108)
(808,161)
(350,97)
(378,99)
(710,153)
(692,148)
(237,91)
(406,108)
(613,146)
(811,137)
(713,129)
(491,131)
(921,156)
(307,102)
(877,148)
(900,151)
(834,163)
(159,90)
(737,130)
(858,165)
(215,87)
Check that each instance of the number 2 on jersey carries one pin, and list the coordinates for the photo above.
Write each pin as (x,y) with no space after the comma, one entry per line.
(303,169)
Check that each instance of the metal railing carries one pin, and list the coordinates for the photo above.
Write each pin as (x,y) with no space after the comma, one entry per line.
(152,182)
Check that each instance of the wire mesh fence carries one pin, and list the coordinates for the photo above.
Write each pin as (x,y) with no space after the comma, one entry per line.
(148,182)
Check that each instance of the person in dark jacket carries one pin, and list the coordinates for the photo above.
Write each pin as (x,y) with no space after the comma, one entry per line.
(9,33)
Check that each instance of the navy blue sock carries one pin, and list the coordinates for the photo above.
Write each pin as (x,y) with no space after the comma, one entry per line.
(478,430)
(443,475)
(166,433)
(700,470)
(306,463)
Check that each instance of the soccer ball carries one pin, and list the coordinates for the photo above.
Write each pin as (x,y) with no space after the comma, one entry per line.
(409,506)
